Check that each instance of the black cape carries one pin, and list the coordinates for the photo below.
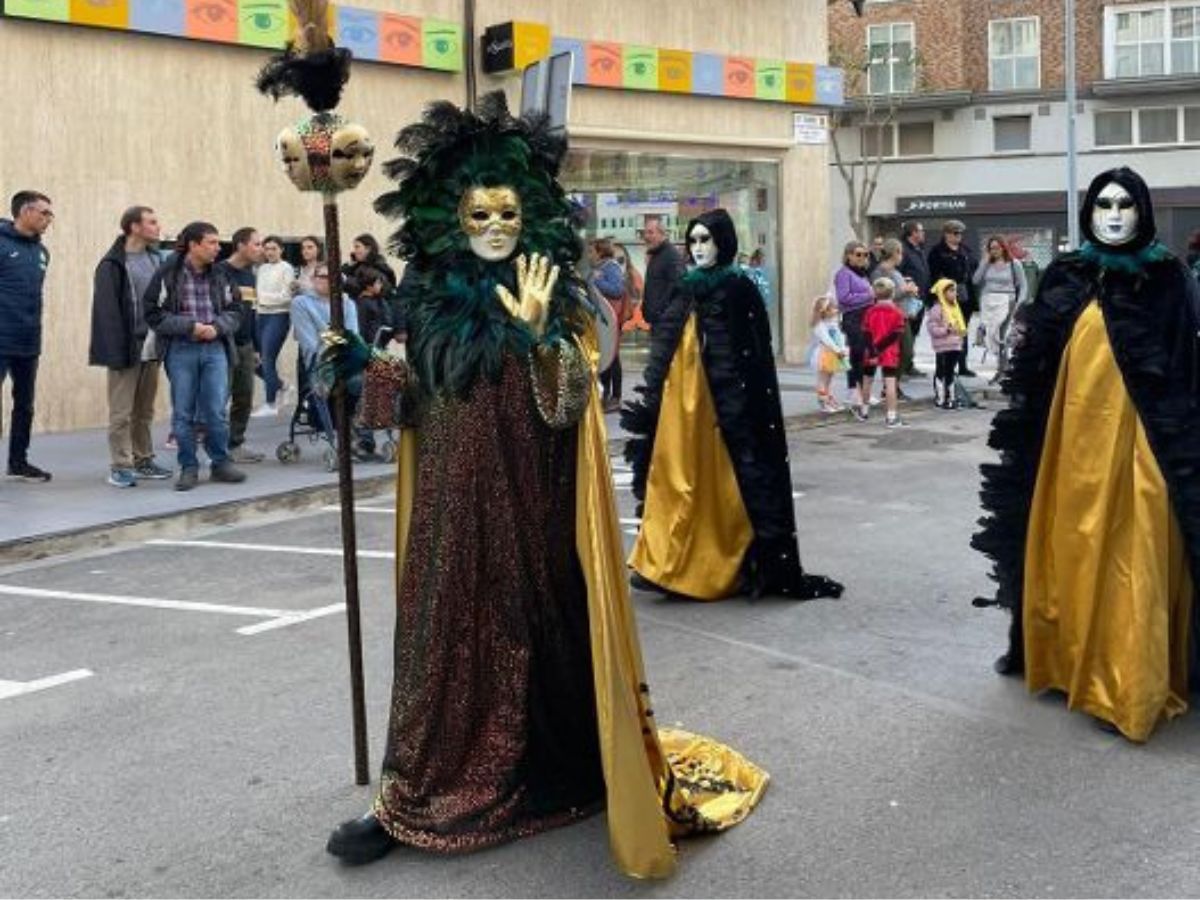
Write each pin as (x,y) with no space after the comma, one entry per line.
(1150,311)
(735,338)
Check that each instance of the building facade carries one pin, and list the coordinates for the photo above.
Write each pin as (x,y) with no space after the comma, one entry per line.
(111,103)
(968,102)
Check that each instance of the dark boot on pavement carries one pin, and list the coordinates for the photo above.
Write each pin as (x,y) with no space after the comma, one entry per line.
(360,841)
(26,472)
(638,583)
(227,472)
(187,479)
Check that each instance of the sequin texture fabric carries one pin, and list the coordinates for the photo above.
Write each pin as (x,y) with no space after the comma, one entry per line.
(493,726)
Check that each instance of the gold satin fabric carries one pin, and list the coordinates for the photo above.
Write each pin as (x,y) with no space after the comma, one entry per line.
(695,530)
(1107,588)
(658,787)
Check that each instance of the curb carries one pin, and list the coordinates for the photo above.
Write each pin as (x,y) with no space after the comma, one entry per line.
(171,524)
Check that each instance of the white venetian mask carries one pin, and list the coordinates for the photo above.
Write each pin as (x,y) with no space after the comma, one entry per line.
(702,247)
(1114,215)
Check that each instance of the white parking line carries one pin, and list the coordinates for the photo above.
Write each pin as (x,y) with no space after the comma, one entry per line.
(150,602)
(9,689)
(285,621)
(270,548)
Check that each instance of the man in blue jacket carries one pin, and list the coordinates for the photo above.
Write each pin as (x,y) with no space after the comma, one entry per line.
(23,263)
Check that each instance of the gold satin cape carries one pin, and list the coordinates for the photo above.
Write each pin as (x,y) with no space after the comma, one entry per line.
(660,783)
(695,531)
(1107,588)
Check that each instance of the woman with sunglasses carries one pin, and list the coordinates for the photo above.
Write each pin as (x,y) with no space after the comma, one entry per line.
(852,288)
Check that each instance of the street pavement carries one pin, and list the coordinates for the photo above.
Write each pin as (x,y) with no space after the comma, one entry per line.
(174,715)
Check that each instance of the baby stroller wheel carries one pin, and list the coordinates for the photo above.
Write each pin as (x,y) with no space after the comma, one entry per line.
(329,457)
(388,451)
(287,452)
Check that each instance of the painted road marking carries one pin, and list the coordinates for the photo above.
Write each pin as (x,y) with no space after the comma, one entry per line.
(149,602)
(285,621)
(270,548)
(10,689)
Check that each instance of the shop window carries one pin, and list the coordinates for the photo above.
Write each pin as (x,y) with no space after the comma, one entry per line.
(1014,53)
(891,58)
(1161,38)
(1114,128)
(1158,126)
(1012,133)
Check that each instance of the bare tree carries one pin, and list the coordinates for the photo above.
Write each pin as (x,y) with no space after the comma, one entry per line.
(869,122)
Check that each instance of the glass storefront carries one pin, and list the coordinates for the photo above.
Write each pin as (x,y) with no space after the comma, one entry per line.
(618,190)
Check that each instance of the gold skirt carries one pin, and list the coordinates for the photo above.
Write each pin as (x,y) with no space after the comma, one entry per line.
(1107,588)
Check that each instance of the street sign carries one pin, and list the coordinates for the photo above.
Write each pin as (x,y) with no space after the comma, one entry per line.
(808,128)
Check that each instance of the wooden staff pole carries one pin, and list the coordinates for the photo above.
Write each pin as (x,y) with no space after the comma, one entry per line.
(342,414)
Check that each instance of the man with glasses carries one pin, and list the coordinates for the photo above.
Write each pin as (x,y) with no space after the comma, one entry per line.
(23,263)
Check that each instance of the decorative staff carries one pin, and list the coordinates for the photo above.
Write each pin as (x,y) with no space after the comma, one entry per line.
(327,153)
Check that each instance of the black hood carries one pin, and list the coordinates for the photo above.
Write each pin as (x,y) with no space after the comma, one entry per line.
(720,226)
(1133,183)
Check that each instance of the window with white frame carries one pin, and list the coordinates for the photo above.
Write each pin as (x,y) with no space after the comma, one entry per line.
(1163,125)
(891,58)
(1014,54)
(1149,39)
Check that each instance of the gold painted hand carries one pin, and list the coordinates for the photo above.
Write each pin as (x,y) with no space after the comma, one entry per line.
(535,284)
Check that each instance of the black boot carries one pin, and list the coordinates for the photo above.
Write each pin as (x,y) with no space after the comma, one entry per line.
(1012,662)
(360,841)
(638,583)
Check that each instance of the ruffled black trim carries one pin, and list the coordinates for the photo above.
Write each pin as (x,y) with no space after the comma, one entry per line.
(1152,321)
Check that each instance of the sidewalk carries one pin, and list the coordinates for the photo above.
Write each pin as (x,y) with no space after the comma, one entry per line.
(79,509)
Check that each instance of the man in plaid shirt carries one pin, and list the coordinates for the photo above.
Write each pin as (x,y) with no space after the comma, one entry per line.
(194,310)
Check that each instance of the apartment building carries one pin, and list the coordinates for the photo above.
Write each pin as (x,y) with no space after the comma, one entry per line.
(967,102)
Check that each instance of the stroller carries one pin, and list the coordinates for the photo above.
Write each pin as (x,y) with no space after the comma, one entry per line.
(313,419)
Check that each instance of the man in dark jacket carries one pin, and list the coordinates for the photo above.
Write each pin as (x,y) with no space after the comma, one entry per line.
(914,266)
(664,268)
(951,259)
(195,310)
(118,339)
(23,263)
(239,267)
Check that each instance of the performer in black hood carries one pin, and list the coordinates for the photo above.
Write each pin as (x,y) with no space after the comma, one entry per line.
(712,367)
(1093,511)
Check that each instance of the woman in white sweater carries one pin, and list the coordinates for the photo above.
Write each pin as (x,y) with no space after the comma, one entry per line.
(275,278)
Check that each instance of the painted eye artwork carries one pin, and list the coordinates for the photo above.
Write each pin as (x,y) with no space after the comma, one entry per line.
(213,20)
(262,23)
(605,61)
(441,46)
(358,30)
(400,39)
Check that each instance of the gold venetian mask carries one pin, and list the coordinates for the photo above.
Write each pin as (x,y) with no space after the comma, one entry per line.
(491,219)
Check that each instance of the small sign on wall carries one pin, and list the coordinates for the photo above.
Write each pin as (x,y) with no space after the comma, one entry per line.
(809,128)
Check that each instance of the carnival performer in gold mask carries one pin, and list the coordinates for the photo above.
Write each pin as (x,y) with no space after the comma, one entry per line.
(519,700)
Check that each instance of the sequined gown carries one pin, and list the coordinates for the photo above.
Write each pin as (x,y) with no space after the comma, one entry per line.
(493,729)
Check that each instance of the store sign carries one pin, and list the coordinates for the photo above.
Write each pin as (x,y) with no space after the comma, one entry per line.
(514,45)
(915,205)
(810,129)
(371,35)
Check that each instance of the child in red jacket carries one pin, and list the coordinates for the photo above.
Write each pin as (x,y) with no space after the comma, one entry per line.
(883,327)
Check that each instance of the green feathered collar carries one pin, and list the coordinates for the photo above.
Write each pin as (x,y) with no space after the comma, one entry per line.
(1127,263)
(702,281)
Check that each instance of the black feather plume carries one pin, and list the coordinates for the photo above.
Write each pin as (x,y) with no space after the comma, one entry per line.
(316,77)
